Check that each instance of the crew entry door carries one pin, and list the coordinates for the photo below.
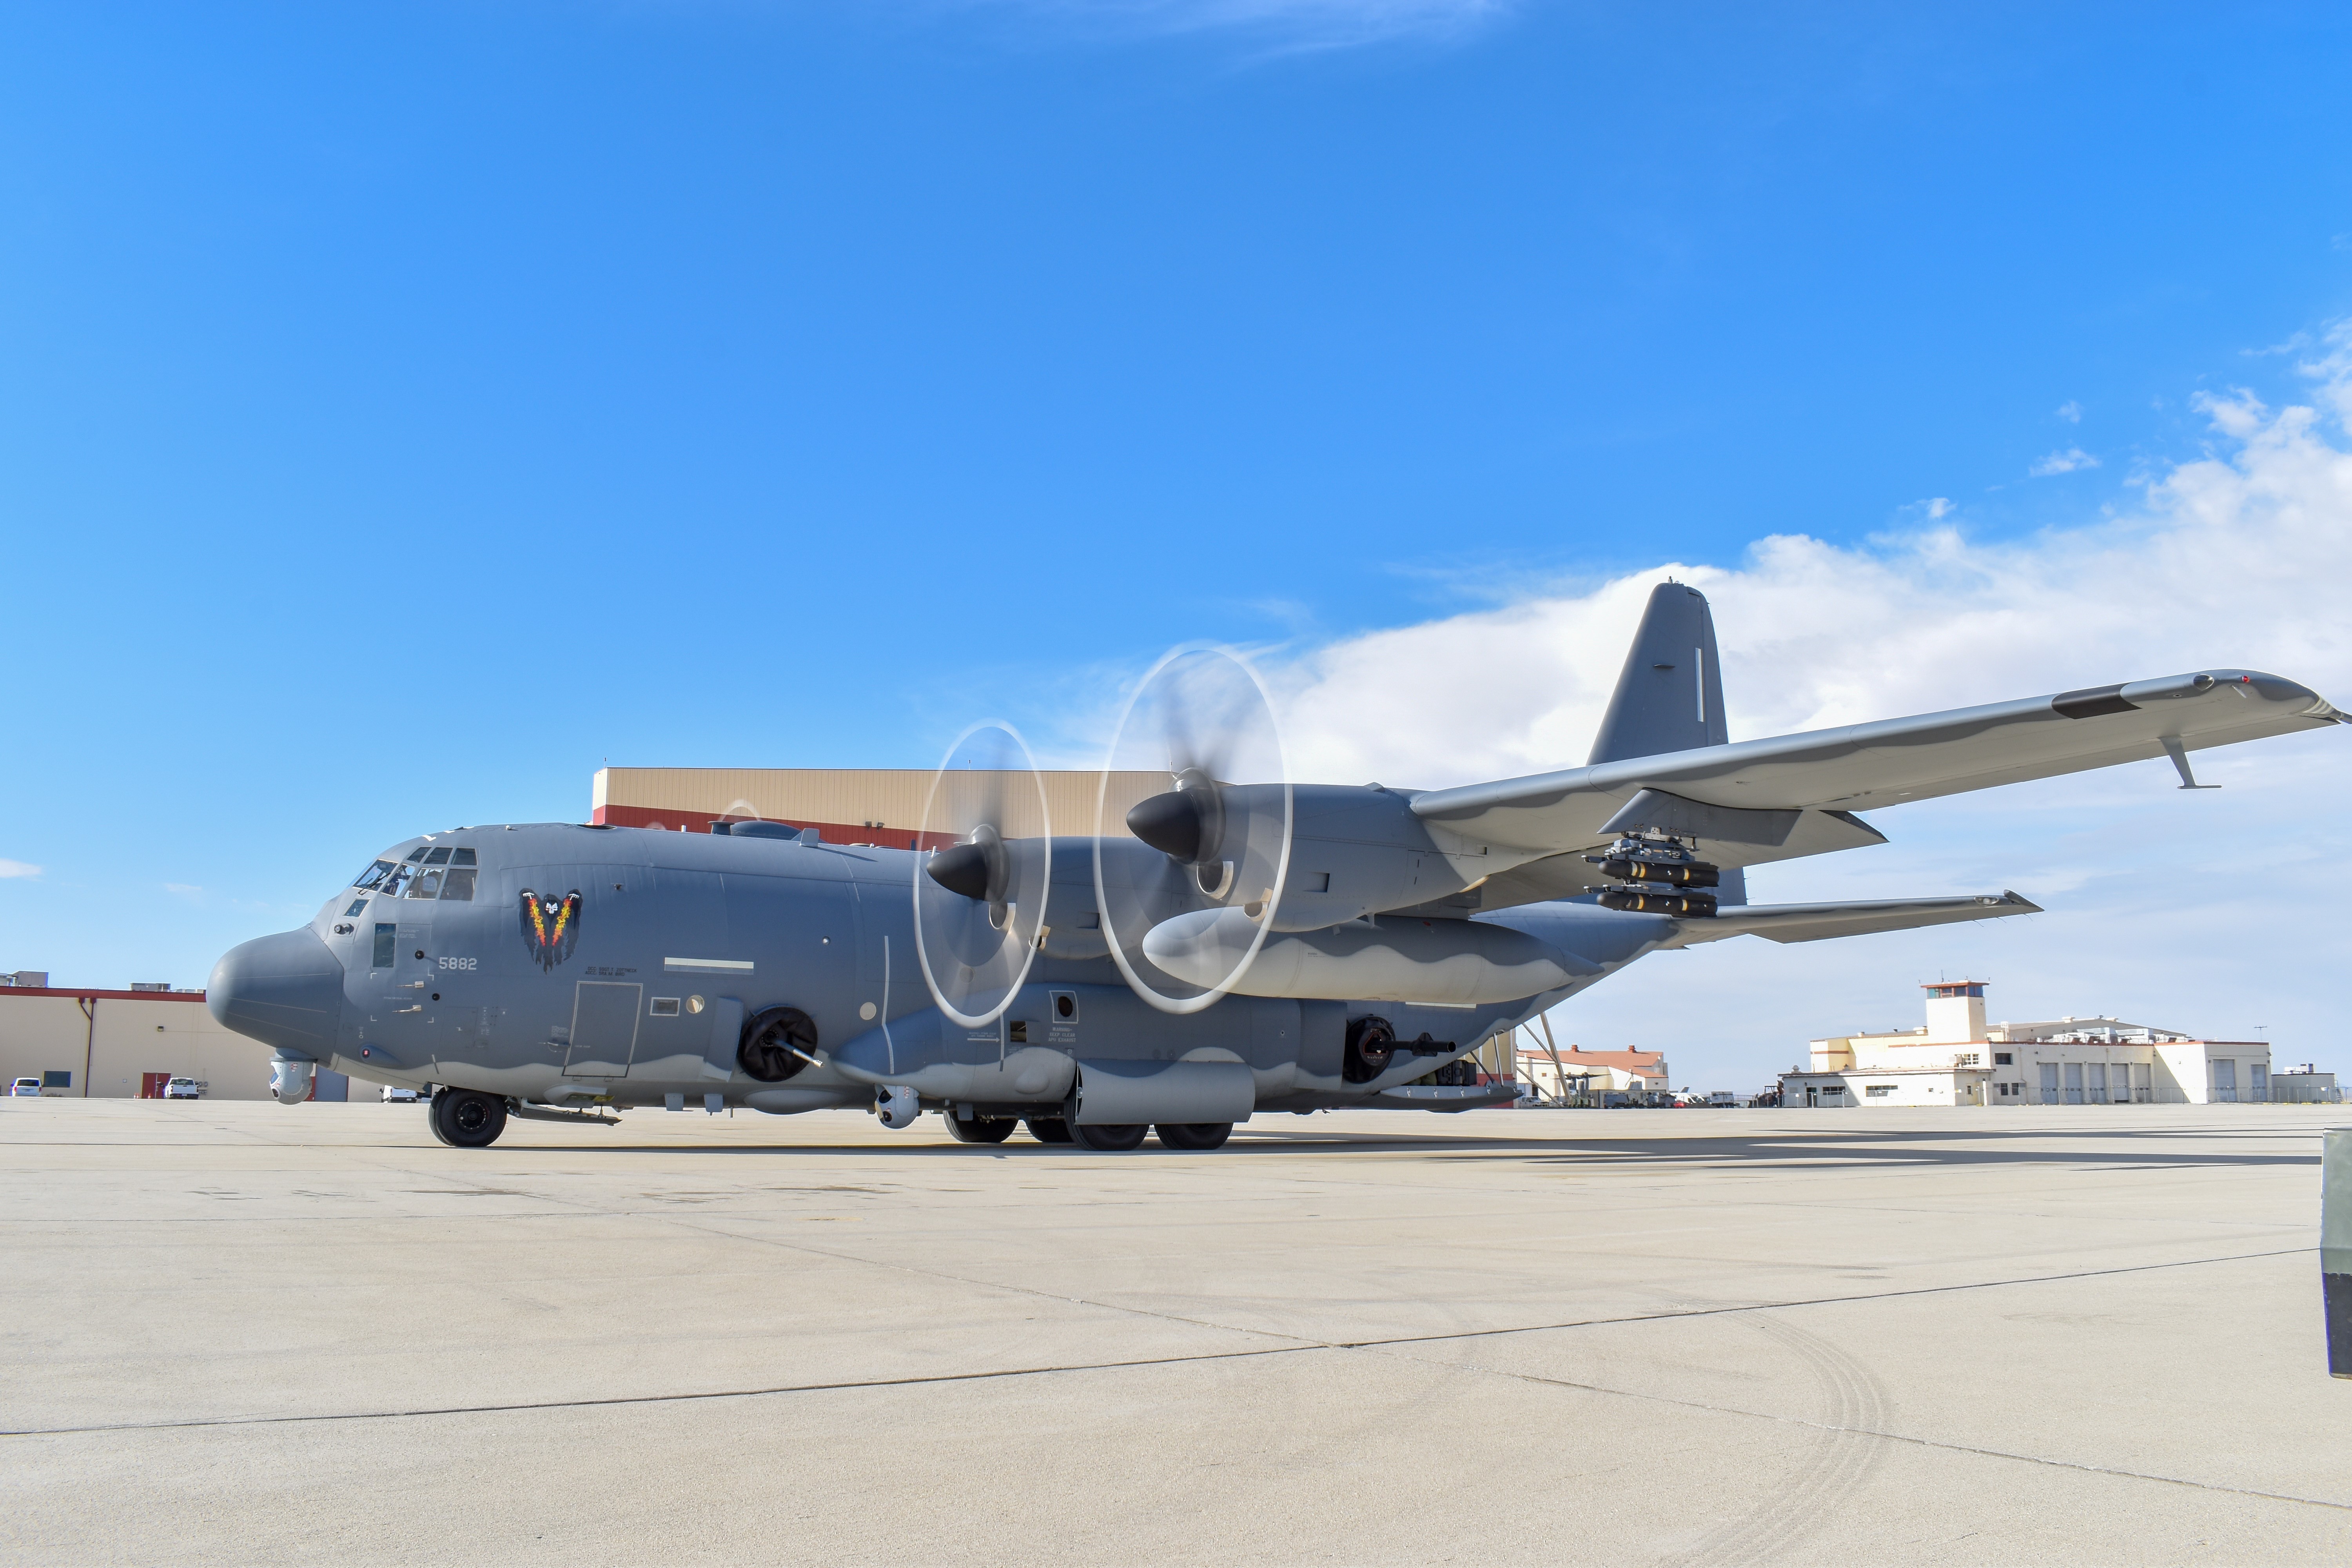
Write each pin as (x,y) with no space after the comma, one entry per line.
(604,1016)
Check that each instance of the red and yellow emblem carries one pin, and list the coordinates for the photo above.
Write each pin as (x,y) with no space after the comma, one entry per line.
(551,926)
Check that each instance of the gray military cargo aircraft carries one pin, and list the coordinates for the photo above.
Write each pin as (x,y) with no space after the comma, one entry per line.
(1244,947)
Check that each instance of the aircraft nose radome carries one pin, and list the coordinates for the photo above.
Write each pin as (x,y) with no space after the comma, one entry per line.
(284,990)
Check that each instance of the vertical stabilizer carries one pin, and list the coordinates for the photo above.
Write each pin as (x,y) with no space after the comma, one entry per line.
(1669,697)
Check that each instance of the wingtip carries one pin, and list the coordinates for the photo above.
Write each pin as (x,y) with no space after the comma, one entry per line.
(2025,906)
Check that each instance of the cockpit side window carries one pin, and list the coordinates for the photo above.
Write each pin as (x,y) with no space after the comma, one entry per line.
(462,858)
(438,856)
(460,883)
(397,883)
(358,907)
(384,935)
(373,876)
(426,886)
(416,853)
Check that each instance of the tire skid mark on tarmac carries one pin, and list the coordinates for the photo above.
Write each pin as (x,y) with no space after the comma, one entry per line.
(1842,1459)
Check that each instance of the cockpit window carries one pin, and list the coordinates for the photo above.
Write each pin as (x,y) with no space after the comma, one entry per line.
(438,857)
(462,858)
(460,884)
(397,883)
(416,853)
(426,886)
(373,876)
(358,907)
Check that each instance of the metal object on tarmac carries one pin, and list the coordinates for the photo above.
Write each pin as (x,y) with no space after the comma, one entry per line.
(2336,1245)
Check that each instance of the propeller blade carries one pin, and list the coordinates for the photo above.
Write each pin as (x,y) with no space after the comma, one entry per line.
(1219,838)
(981,899)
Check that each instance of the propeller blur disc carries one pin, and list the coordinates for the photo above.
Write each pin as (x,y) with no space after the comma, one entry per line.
(981,873)
(1218,836)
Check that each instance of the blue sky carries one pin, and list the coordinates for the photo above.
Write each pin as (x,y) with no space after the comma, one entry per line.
(403,409)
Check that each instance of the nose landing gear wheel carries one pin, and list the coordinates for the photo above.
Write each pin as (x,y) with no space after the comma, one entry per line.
(1108,1140)
(463,1119)
(1049,1128)
(1194,1134)
(980,1129)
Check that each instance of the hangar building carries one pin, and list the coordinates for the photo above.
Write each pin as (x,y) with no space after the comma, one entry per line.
(123,1045)
(1958,1059)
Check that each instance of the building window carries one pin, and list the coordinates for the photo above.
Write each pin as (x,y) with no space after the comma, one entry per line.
(2000,1058)
(1878,1090)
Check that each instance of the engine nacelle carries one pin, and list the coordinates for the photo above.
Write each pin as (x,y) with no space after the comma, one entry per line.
(1396,959)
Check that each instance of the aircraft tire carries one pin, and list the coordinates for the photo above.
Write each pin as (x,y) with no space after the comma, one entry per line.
(1049,1128)
(1194,1135)
(1107,1138)
(433,1117)
(463,1119)
(980,1129)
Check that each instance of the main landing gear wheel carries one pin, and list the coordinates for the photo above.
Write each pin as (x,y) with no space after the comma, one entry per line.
(1194,1134)
(463,1119)
(1107,1139)
(1049,1128)
(980,1129)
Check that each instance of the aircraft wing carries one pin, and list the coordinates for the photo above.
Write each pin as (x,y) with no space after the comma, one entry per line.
(1817,922)
(1756,800)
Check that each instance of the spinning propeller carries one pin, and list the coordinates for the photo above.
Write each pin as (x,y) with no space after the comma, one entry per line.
(1216,845)
(980,898)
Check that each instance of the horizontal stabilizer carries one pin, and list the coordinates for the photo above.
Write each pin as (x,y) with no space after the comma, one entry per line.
(1818,922)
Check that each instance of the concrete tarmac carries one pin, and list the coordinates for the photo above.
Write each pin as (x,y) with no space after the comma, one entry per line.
(248,1333)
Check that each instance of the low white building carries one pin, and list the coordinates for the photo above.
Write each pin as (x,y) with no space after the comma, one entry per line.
(1639,1077)
(1958,1059)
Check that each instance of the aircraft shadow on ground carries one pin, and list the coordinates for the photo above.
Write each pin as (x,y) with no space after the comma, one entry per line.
(1826,1149)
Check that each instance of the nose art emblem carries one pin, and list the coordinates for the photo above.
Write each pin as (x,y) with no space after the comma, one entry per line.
(551,926)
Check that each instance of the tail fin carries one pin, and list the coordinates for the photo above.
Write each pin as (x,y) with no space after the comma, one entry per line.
(1669,697)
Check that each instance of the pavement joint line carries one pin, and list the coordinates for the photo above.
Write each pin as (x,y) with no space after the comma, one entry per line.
(1814,1302)
(1300,1345)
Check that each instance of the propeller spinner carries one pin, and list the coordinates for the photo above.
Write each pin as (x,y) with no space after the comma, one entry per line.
(980,899)
(1202,719)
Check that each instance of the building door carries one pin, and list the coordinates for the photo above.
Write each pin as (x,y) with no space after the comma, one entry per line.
(151,1085)
(2225,1082)
(2095,1089)
(2049,1083)
(2074,1082)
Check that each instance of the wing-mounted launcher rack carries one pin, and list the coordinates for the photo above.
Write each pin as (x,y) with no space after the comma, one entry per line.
(1665,877)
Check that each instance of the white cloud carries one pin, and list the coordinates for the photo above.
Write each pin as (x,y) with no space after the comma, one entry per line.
(2070,411)
(2174,908)
(183,889)
(17,868)
(2065,462)
(1940,508)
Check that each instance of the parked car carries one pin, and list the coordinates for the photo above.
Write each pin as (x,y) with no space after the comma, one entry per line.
(395,1095)
(29,1087)
(184,1089)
